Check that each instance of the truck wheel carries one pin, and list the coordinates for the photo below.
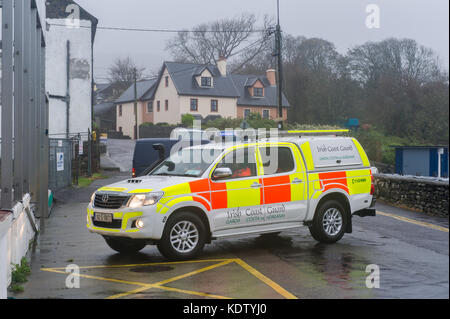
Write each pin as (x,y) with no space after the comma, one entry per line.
(125,245)
(183,238)
(330,222)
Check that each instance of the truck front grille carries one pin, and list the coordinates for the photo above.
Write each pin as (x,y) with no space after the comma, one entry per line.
(110,201)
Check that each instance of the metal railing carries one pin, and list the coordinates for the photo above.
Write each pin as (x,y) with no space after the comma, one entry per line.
(24,106)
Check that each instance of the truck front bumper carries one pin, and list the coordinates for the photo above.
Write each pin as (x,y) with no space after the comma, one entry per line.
(124,223)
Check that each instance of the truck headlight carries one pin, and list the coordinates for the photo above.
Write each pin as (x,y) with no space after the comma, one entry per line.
(92,199)
(141,200)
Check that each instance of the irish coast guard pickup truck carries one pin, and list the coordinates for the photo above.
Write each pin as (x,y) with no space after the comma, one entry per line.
(213,191)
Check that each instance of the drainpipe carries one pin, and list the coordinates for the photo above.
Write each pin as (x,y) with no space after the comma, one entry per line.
(68,91)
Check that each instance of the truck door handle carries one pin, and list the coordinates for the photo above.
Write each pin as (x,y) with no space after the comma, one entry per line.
(256,185)
(297,181)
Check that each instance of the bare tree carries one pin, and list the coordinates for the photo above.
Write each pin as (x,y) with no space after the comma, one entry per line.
(121,74)
(235,38)
(404,60)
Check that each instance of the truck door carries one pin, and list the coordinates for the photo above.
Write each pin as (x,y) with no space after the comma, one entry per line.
(237,200)
(284,183)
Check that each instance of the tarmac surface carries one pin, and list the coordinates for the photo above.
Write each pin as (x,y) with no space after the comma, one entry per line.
(411,251)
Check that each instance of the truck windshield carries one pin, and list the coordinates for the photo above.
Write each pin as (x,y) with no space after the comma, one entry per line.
(187,162)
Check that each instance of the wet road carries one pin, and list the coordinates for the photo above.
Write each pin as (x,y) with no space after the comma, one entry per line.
(410,249)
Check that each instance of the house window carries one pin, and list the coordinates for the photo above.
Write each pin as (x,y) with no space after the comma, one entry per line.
(158,106)
(167,81)
(214,106)
(150,107)
(247,113)
(258,92)
(206,81)
(167,105)
(266,114)
(120,110)
(194,105)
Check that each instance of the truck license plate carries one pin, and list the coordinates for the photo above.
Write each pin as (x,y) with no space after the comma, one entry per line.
(103,217)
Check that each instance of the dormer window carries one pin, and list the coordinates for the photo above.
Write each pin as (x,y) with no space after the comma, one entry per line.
(258,92)
(206,81)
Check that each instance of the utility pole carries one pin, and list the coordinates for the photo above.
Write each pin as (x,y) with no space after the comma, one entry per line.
(279,47)
(136,130)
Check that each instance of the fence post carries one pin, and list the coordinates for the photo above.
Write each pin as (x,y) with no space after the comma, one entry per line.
(89,153)
(7,105)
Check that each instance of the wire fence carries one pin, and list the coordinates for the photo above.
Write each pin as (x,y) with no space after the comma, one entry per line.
(60,163)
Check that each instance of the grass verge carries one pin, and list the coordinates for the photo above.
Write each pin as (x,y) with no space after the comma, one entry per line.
(19,276)
(86,181)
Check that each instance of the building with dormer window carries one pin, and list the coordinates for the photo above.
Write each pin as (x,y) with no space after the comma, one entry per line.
(205,91)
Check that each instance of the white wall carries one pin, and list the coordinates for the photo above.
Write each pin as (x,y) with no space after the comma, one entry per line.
(163,93)
(4,256)
(80,76)
(128,119)
(16,233)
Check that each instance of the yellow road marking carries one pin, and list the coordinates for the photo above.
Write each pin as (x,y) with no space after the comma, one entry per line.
(266,280)
(413,221)
(148,286)
(97,278)
(159,285)
(189,292)
(131,292)
(195,272)
(148,264)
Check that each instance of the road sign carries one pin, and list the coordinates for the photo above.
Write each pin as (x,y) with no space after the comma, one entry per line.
(59,162)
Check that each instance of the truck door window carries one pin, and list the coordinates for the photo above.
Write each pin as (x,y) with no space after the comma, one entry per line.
(277,160)
(242,163)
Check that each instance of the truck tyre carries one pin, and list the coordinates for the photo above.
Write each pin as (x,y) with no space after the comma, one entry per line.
(125,245)
(183,238)
(330,222)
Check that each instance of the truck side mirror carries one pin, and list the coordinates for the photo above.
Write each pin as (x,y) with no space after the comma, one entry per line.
(222,172)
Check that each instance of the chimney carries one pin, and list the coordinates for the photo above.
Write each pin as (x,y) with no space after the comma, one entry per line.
(272,77)
(222,66)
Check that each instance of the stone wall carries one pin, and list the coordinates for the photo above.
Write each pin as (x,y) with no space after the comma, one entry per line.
(428,196)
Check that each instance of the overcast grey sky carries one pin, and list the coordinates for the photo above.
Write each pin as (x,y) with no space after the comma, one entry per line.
(339,21)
